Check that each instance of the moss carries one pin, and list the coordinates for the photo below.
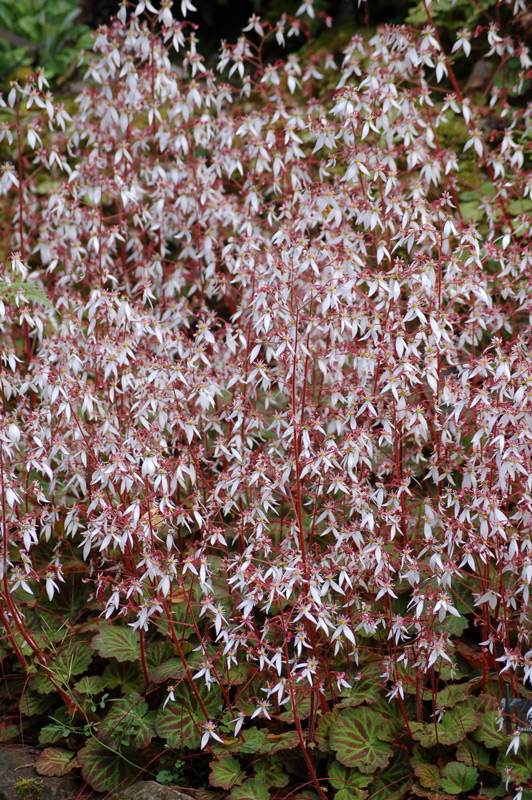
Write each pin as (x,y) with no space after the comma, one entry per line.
(28,789)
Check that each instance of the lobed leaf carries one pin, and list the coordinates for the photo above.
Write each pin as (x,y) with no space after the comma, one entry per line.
(119,642)
(359,739)
(55,761)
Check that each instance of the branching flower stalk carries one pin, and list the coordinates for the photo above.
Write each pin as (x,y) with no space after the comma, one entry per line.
(285,370)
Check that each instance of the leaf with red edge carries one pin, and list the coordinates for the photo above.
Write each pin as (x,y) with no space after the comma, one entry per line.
(173,669)
(321,735)
(458,778)
(252,789)
(180,723)
(55,761)
(358,737)
(128,723)
(117,641)
(428,774)
(105,769)
(226,773)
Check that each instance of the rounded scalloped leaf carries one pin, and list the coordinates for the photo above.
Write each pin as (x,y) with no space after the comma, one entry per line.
(50,734)
(472,753)
(31,704)
(349,781)
(55,761)
(323,727)
(456,723)
(271,771)
(453,694)
(252,789)
(254,742)
(393,782)
(157,652)
(43,685)
(119,642)
(428,774)
(458,777)
(73,660)
(226,773)
(90,684)
(246,699)
(488,734)
(128,720)
(351,794)
(390,715)
(126,675)
(303,705)
(420,791)
(8,732)
(173,669)
(520,762)
(105,769)
(275,742)
(358,738)
(180,723)
(364,690)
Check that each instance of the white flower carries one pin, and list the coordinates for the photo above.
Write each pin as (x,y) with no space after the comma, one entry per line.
(306,7)
(262,708)
(210,732)
(462,41)
(514,744)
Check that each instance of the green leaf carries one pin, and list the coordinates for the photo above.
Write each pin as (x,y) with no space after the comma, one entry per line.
(246,699)
(43,684)
(252,789)
(173,669)
(420,791)
(8,732)
(54,761)
(350,794)
(428,774)
(53,732)
(254,742)
(180,723)
(122,643)
(128,720)
(364,690)
(275,742)
(126,675)
(359,739)
(271,771)
(455,693)
(323,727)
(306,795)
(456,723)
(104,769)
(520,762)
(91,685)
(488,734)
(393,782)
(31,704)
(157,652)
(303,705)
(226,773)
(458,777)
(73,660)
(50,734)
(472,753)
(349,781)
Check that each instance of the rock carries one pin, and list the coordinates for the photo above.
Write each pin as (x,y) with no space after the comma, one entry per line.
(150,790)
(19,781)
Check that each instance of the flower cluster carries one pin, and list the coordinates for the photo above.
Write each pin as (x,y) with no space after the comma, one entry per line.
(285,370)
